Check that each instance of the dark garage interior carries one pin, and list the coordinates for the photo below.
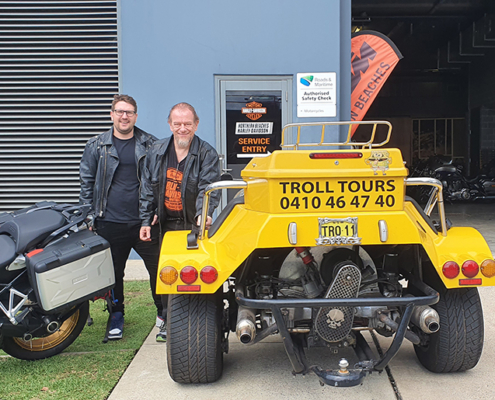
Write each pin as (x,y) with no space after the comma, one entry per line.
(441,96)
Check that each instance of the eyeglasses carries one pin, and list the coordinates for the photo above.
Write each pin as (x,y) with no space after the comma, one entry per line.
(119,113)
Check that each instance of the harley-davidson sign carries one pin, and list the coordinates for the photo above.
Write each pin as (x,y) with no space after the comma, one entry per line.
(254,110)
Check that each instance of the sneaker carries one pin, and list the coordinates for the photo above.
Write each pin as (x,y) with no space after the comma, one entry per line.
(116,326)
(162,335)
(159,321)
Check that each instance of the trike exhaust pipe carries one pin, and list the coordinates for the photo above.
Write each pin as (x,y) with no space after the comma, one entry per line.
(246,325)
(426,318)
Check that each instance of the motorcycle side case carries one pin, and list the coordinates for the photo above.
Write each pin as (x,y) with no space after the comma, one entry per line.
(71,270)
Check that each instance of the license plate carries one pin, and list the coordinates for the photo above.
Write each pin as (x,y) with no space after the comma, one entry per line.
(338,231)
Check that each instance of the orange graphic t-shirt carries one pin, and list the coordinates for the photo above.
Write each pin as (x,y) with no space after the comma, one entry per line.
(173,196)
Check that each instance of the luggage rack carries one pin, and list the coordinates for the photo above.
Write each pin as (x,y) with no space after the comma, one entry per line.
(322,143)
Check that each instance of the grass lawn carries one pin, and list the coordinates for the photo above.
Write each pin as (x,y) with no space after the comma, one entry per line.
(88,369)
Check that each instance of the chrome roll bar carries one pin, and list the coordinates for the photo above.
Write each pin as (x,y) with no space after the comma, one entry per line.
(235,184)
(435,197)
(350,124)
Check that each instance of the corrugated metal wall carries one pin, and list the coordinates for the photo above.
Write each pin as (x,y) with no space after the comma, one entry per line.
(58,74)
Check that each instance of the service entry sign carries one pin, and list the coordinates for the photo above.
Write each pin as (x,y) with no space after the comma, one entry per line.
(316,94)
(254,122)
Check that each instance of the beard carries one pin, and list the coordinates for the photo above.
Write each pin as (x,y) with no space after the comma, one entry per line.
(184,144)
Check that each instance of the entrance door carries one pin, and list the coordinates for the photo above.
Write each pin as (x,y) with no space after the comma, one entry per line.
(250,114)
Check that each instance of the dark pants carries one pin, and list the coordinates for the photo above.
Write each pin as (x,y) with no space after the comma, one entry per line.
(171,225)
(123,238)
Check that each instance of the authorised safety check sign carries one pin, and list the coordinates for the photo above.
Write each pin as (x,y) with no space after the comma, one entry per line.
(363,194)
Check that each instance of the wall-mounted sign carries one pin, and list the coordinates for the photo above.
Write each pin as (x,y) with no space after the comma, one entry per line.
(317,94)
(246,138)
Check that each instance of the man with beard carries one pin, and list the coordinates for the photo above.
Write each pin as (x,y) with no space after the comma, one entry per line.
(177,171)
(110,171)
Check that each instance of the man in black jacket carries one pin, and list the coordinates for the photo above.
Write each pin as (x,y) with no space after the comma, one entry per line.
(110,175)
(177,171)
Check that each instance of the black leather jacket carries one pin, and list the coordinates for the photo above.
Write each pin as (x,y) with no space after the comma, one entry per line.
(201,169)
(99,162)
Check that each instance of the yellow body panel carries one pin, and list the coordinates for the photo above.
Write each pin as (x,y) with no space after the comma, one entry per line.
(282,189)
(294,182)
(461,244)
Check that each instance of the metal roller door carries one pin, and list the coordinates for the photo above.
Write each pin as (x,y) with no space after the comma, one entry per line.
(58,74)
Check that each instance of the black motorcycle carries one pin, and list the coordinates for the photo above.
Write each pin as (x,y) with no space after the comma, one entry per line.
(51,265)
(456,186)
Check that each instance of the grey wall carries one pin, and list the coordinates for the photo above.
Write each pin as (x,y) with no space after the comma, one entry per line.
(171,51)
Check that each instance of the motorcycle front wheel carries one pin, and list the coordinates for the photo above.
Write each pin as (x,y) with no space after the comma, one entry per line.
(39,348)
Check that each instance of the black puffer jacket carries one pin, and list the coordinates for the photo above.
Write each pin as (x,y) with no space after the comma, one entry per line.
(99,162)
(201,169)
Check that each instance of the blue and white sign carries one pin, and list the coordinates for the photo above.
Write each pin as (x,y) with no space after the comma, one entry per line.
(316,94)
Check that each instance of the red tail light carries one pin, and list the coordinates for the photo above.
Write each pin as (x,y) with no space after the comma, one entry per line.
(470,269)
(334,155)
(32,253)
(476,281)
(189,275)
(209,274)
(450,269)
(189,288)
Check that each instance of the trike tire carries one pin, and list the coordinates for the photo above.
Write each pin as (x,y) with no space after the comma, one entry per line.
(458,344)
(194,333)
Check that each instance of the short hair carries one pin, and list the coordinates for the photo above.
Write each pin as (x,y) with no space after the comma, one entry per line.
(186,106)
(125,98)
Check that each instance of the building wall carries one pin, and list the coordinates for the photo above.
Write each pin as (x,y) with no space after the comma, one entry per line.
(171,51)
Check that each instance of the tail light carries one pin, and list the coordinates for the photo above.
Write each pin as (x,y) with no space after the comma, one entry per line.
(488,268)
(470,269)
(209,274)
(189,275)
(451,269)
(335,155)
(34,252)
(168,275)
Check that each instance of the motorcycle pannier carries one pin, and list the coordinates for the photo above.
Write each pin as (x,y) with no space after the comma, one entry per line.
(70,270)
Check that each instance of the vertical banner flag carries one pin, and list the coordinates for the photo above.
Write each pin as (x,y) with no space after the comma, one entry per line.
(373,58)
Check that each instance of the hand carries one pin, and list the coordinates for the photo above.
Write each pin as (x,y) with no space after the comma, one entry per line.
(209,220)
(155,219)
(145,233)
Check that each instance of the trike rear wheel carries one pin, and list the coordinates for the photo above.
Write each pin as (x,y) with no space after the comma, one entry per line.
(458,344)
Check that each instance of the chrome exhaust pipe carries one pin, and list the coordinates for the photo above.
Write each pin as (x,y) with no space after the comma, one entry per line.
(246,325)
(426,318)
(51,326)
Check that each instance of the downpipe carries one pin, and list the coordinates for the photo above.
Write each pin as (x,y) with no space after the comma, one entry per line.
(246,325)
(426,318)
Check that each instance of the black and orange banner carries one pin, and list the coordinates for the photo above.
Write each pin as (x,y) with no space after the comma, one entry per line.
(373,58)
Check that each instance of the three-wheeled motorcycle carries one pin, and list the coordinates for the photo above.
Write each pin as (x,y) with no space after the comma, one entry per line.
(320,245)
